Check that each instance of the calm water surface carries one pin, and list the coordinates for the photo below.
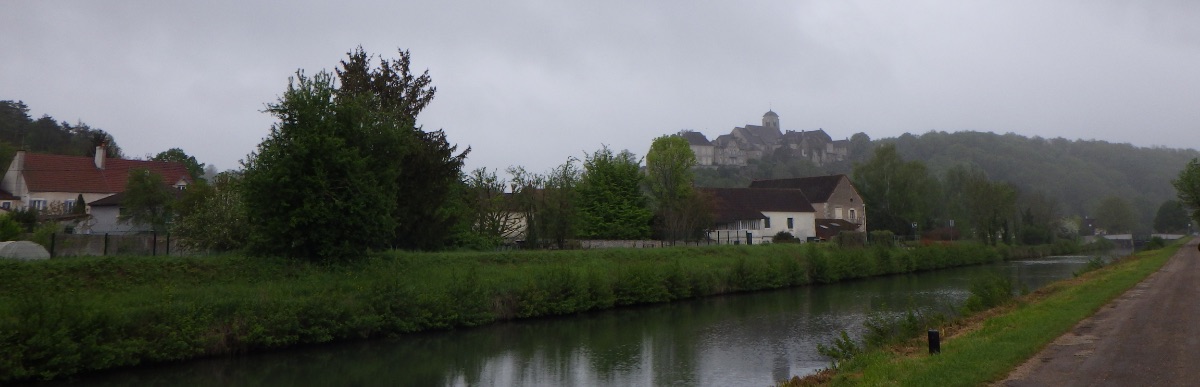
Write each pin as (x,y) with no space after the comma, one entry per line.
(751,339)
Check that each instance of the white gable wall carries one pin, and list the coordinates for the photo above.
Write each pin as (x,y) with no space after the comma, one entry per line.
(804,224)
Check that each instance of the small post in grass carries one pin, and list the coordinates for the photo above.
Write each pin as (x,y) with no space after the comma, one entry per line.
(935,342)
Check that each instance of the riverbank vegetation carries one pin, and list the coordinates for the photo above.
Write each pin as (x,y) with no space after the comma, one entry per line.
(983,347)
(66,316)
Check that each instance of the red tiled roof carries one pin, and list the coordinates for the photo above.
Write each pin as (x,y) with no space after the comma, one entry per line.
(818,189)
(5,195)
(117,198)
(829,228)
(57,173)
(733,204)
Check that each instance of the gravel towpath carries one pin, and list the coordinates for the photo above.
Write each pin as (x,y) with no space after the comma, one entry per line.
(1149,336)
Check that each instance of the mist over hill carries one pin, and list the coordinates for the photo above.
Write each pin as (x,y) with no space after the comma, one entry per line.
(1078,174)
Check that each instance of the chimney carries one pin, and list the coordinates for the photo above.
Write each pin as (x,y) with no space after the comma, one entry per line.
(18,161)
(100,155)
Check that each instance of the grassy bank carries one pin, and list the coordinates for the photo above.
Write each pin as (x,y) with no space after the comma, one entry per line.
(1004,338)
(66,316)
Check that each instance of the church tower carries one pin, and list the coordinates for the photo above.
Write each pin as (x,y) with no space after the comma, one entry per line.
(771,120)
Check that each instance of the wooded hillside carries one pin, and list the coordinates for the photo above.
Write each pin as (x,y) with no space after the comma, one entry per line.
(46,135)
(1076,173)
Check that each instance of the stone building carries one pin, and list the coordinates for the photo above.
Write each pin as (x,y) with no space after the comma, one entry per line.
(755,142)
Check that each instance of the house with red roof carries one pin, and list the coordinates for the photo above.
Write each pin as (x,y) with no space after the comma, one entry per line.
(833,197)
(42,181)
(759,214)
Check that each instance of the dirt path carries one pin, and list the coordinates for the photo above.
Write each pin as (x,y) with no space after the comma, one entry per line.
(1150,336)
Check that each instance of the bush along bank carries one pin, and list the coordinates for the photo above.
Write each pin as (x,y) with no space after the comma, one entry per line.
(66,316)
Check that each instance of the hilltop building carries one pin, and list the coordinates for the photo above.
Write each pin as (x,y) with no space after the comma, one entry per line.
(754,142)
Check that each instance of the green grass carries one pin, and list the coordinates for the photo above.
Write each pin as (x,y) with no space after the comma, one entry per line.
(65,316)
(1007,340)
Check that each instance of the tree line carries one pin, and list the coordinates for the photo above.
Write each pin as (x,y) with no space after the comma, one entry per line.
(966,201)
(46,135)
(346,170)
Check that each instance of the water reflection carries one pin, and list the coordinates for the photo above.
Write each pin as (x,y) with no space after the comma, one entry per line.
(748,339)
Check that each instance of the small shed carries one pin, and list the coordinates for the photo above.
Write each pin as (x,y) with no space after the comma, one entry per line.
(23,250)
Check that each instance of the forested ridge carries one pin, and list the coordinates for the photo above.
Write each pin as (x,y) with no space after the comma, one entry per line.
(1077,174)
(46,135)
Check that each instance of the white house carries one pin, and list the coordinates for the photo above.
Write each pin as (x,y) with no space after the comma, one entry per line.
(761,213)
(45,181)
(833,197)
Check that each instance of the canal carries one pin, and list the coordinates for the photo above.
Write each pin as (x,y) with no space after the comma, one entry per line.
(752,339)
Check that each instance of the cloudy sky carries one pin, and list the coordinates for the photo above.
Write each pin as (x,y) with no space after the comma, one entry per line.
(532,83)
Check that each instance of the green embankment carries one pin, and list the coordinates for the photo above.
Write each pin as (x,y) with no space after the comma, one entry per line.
(66,316)
(1005,341)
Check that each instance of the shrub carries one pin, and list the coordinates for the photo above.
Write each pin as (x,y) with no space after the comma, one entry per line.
(843,348)
(43,233)
(846,239)
(784,237)
(1155,243)
(1095,263)
(989,292)
(883,238)
(10,229)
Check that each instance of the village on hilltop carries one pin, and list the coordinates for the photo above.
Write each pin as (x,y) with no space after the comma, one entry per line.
(753,142)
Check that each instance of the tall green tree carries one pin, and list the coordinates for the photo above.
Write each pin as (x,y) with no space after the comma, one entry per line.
(195,168)
(991,206)
(309,192)
(80,206)
(860,146)
(611,202)
(211,216)
(528,200)
(494,212)
(548,203)
(897,192)
(1171,218)
(670,178)
(559,204)
(1115,215)
(147,200)
(977,204)
(423,166)
(1040,218)
(1187,187)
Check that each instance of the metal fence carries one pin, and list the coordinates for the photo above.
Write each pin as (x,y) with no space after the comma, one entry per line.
(75,245)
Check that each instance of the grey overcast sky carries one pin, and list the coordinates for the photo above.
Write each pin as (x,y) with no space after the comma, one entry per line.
(533,82)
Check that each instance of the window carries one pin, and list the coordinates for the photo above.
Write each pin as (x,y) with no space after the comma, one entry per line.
(837,213)
(38,204)
(767,223)
(69,206)
(6,205)
(791,225)
(853,215)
